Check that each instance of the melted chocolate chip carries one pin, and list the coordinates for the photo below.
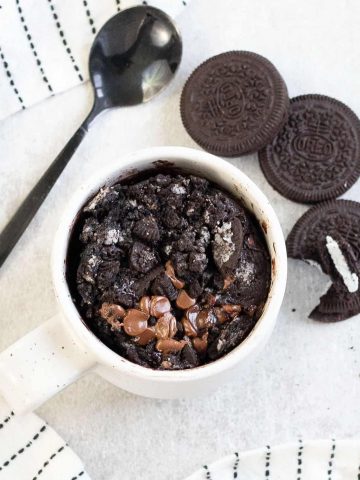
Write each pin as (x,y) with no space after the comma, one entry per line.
(184,301)
(135,322)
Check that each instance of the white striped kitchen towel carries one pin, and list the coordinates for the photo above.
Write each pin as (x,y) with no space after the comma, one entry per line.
(31,450)
(45,44)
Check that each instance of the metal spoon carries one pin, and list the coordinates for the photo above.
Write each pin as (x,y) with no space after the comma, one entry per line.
(133,57)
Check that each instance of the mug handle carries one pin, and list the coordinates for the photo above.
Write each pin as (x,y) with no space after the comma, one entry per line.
(41,364)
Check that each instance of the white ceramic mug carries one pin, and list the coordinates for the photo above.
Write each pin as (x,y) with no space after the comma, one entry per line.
(63,348)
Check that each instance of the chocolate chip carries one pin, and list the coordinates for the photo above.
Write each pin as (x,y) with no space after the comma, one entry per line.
(135,322)
(142,258)
(170,345)
(200,344)
(144,305)
(189,321)
(221,315)
(159,306)
(232,310)
(184,301)
(145,337)
(165,326)
(206,318)
(147,229)
(170,272)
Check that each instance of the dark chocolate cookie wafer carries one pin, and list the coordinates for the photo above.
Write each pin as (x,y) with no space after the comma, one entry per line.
(316,156)
(234,103)
(329,234)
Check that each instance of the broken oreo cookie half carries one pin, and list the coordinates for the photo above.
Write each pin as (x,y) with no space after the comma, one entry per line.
(329,234)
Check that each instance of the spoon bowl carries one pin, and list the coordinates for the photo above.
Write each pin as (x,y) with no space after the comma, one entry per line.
(134,56)
(128,69)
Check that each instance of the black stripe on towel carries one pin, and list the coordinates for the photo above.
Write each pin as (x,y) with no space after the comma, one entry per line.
(208,474)
(11,414)
(299,460)
(267,462)
(45,464)
(78,475)
(32,46)
(63,39)
(331,460)
(89,16)
(118,5)
(19,97)
(236,465)
(22,450)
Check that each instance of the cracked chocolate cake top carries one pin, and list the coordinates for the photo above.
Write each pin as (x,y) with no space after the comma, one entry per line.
(169,271)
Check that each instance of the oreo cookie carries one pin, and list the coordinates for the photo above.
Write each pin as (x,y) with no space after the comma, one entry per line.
(316,156)
(234,103)
(329,234)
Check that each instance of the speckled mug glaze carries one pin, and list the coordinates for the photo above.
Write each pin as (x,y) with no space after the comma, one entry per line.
(59,351)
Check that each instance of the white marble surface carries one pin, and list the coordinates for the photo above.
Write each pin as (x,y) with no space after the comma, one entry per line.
(307,380)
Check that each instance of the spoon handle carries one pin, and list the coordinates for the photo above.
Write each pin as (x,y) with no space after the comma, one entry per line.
(27,210)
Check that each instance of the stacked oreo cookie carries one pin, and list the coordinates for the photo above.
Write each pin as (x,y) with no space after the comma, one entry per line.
(309,151)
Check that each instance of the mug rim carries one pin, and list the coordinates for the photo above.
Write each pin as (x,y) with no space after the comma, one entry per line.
(263,327)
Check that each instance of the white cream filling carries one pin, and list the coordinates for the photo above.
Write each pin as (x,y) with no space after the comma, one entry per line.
(351,280)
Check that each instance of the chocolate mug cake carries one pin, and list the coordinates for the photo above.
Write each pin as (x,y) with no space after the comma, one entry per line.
(168,270)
